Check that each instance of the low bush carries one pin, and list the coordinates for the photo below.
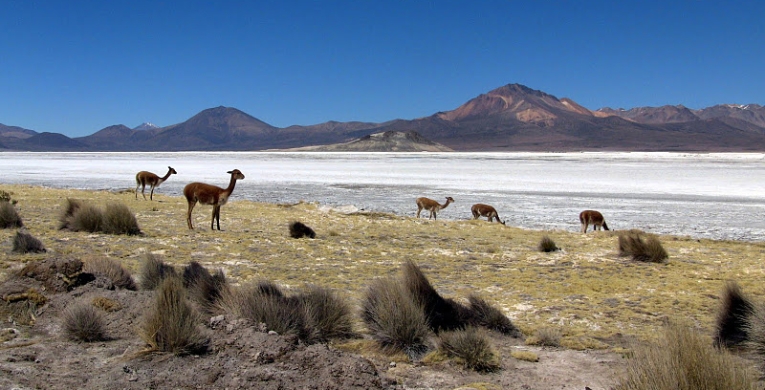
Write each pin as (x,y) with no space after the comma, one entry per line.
(25,243)
(683,359)
(118,219)
(171,324)
(154,271)
(733,317)
(328,314)
(396,321)
(83,322)
(86,218)
(645,250)
(9,217)
(66,215)
(546,244)
(112,270)
(487,316)
(471,347)
(300,230)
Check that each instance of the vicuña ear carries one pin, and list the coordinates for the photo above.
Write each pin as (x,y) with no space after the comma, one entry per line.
(230,172)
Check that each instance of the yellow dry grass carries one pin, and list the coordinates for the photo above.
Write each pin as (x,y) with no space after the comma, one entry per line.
(595,297)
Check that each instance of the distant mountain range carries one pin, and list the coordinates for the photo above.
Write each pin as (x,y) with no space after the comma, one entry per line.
(510,118)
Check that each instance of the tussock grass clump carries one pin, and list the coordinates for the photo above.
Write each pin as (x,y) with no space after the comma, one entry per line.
(754,329)
(24,242)
(265,303)
(300,230)
(9,217)
(79,216)
(471,347)
(548,337)
(733,317)
(396,321)
(154,271)
(684,360)
(204,288)
(5,196)
(441,313)
(172,325)
(112,270)
(328,314)
(83,322)
(645,250)
(546,244)
(488,316)
(118,219)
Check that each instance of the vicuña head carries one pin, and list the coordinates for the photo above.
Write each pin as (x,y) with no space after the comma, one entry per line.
(594,218)
(484,210)
(144,178)
(432,206)
(210,194)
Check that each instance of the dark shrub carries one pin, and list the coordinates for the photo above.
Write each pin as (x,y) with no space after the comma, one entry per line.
(172,324)
(112,270)
(394,319)
(83,322)
(732,317)
(26,243)
(441,314)
(9,218)
(118,219)
(328,314)
(547,245)
(472,347)
(487,316)
(300,230)
(154,271)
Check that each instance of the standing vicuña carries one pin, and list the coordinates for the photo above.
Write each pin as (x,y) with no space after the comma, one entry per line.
(432,206)
(210,194)
(594,218)
(143,178)
(484,210)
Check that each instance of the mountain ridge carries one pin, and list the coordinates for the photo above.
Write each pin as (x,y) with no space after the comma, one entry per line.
(512,117)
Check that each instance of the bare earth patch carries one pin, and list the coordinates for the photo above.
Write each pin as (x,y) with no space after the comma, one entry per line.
(599,302)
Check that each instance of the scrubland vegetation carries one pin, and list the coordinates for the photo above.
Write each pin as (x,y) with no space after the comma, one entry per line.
(431,291)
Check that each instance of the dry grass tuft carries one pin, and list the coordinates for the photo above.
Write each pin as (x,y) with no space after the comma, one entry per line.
(9,217)
(487,316)
(441,314)
(527,356)
(24,242)
(204,288)
(83,322)
(72,205)
(645,250)
(549,337)
(172,325)
(328,314)
(154,271)
(112,270)
(471,347)
(106,304)
(732,317)
(546,244)
(396,321)
(684,360)
(86,218)
(755,331)
(118,219)
(265,303)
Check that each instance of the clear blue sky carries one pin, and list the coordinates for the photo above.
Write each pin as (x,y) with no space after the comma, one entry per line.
(75,67)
